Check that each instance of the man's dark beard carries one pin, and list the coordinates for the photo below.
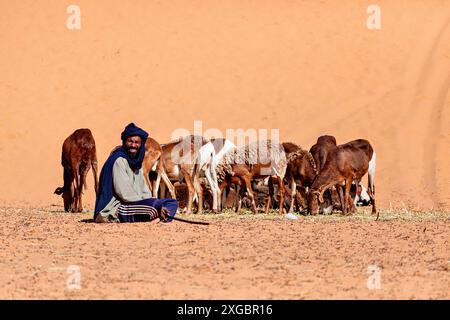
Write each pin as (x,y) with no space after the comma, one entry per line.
(133,156)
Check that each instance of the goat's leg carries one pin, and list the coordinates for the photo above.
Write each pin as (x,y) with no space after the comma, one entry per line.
(81,182)
(298,203)
(168,184)
(218,196)
(239,195)
(69,188)
(159,173)
(83,175)
(223,197)
(191,189)
(371,192)
(76,187)
(282,188)
(213,185)
(347,196)
(221,192)
(199,190)
(371,182)
(156,184)
(293,193)
(94,172)
(73,196)
(341,196)
(301,199)
(195,178)
(217,201)
(248,184)
(358,190)
(357,196)
(270,196)
(162,191)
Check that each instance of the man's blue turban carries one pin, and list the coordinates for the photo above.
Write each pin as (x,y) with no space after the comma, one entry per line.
(131,130)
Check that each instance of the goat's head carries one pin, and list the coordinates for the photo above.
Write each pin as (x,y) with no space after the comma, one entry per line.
(314,198)
(67,197)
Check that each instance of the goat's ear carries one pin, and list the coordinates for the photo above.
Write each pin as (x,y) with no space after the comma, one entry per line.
(59,191)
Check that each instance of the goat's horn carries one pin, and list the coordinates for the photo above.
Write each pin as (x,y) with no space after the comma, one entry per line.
(319,193)
(320,197)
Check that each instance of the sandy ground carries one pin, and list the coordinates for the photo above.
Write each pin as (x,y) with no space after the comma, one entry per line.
(235,257)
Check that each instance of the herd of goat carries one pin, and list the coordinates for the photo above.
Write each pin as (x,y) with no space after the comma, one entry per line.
(325,177)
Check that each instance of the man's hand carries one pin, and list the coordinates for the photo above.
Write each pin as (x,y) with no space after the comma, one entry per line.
(164,215)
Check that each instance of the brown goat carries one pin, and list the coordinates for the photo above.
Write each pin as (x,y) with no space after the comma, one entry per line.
(177,162)
(78,155)
(325,145)
(304,166)
(301,167)
(347,163)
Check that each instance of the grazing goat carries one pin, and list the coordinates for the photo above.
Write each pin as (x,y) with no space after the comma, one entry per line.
(371,154)
(301,167)
(256,160)
(78,156)
(208,158)
(304,166)
(347,163)
(324,145)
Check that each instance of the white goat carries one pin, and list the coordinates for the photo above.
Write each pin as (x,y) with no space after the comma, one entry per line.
(208,158)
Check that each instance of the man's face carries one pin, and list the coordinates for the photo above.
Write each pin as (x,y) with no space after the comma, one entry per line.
(132,146)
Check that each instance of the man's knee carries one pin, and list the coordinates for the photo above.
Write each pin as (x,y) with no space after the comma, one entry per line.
(172,202)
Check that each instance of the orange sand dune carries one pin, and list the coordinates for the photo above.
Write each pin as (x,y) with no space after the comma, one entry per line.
(304,67)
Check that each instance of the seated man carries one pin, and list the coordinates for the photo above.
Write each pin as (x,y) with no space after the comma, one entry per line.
(123,195)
